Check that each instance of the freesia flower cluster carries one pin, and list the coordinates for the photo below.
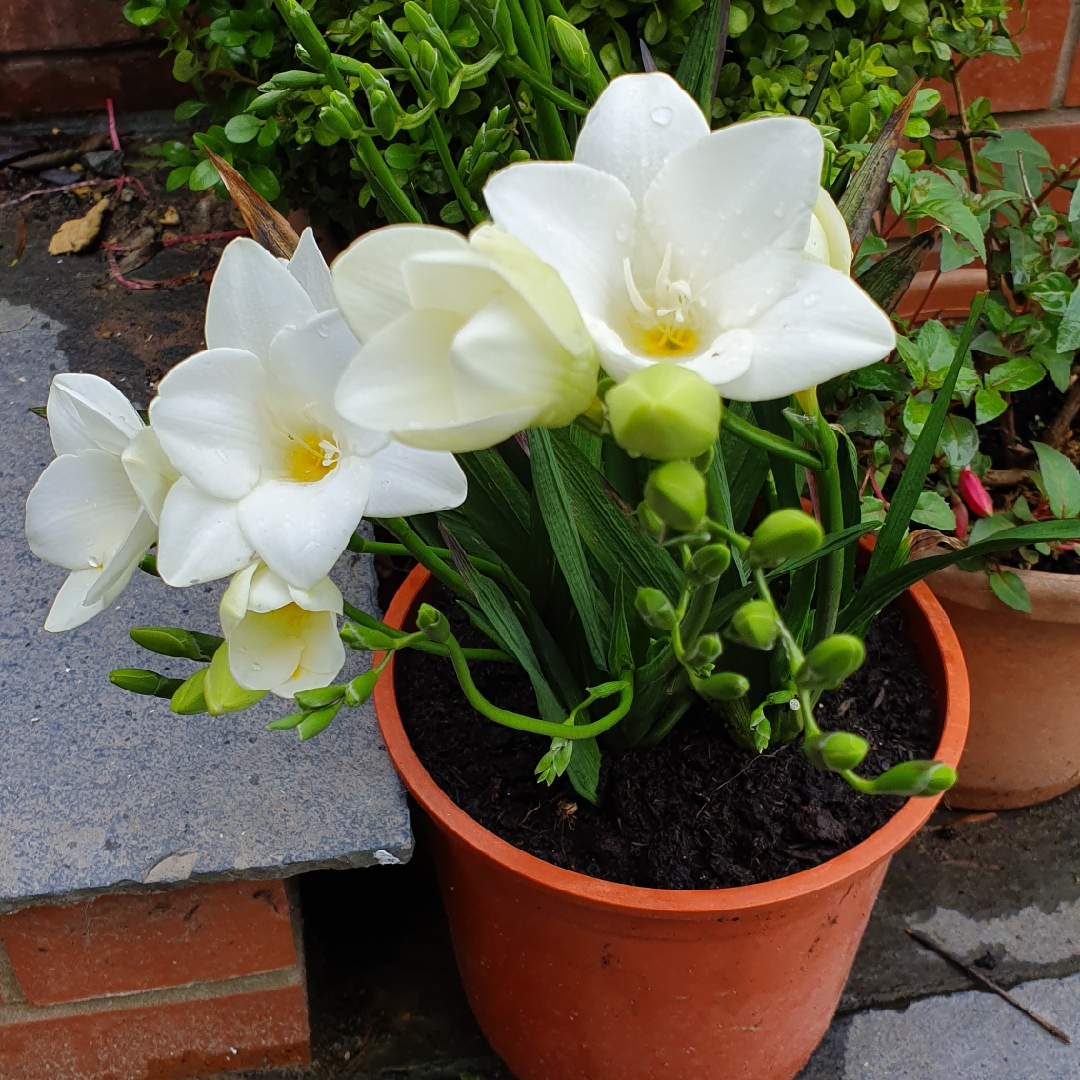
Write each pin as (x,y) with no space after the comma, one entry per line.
(664,267)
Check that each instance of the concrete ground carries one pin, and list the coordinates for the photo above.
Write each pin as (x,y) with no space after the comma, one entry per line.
(386,1003)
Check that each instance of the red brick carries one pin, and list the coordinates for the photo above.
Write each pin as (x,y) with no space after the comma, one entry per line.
(950,294)
(54,83)
(161,1042)
(34,25)
(120,943)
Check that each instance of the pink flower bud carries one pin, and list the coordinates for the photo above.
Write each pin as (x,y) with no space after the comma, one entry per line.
(975,495)
(960,513)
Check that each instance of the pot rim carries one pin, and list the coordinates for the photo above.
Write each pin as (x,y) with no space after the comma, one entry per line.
(689,902)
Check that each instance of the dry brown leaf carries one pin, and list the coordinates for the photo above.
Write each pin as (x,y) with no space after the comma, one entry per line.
(170,217)
(264,223)
(79,233)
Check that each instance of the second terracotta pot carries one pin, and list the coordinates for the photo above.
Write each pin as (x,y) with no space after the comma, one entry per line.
(1023,744)
(574,978)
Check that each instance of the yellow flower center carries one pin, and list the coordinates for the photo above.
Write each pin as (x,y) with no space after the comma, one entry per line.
(666,340)
(309,457)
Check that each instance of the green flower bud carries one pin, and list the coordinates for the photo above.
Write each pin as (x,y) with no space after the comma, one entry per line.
(648,520)
(222,692)
(705,650)
(837,750)
(366,638)
(317,722)
(754,625)
(708,564)
(297,80)
(665,412)
(724,686)
(286,723)
(140,681)
(426,58)
(307,34)
(675,492)
(570,44)
(361,688)
(418,19)
(830,662)
(188,698)
(384,114)
(390,44)
(655,609)
(335,122)
(319,697)
(503,27)
(433,624)
(347,107)
(172,641)
(785,534)
(914,778)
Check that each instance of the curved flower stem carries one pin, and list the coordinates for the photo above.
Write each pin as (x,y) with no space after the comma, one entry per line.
(766,440)
(421,643)
(426,557)
(468,204)
(528,723)
(831,573)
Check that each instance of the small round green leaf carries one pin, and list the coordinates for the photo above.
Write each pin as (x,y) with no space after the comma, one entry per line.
(203,176)
(242,128)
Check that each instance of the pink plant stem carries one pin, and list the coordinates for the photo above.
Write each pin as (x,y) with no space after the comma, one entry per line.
(877,491)
(112,124)
(811,484)
(120,279)
(54,190)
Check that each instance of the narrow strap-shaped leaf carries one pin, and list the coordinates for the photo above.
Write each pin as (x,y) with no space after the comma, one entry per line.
(699,69)
(487,469)
(590,445)
(746,465)
(770,417)
(505,627)
(610,534)
(559,521)
(497,506)
(719,495)
(911,483)
(872,597)
(847,461)
(888,279)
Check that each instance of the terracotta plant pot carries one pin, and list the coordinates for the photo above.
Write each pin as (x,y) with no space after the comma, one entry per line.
(573,978)
(1024,743)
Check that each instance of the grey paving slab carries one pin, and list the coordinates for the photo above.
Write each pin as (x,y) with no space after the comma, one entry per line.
(966,1036)
(99,787)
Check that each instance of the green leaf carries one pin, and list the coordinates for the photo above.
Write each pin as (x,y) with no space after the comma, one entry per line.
(988,342)
(562,530)
(913,477)
(1002,150)
(242,128)
(1058,364)
(1009,588)
(1061,481)
(943,203)
(865,414)
(959,441)
(139,14)
(264,181)
(498,507)
(451,213)
(184,66)
(953,255)
(261,47)
(178,178)
(583,771)
(1016,374)
(401,156)
(933,511)
(916,414)
(203,176)
(988,526)
(187,109)
(608,531)
(1068,335)
(988,405)
(886,587)
(881,376)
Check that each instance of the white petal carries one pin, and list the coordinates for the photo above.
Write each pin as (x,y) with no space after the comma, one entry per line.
(68,609)
(576,219)
(299,530)
(150,472)
(268,592)
(252,297)
(121,563)
(406,481)
(729,356)
(310,360)
(88,413)
(367,276)
(828,224)
(322,596)
(468,435)
(635,126)
(81,510)
(309,268)
(234,601)
(748,187)
(458,281)
(264,649)
(826,327)
(617,360)
(322,658)
(210,421)
(199,537)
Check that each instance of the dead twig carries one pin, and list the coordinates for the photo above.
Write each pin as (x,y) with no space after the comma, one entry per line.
(978,976)
(56,190)
(172,241)
(1059,428)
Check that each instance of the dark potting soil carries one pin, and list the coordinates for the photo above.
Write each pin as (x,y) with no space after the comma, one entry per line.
(695,812)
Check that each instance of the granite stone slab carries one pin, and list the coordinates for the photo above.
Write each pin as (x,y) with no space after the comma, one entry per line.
(99,787)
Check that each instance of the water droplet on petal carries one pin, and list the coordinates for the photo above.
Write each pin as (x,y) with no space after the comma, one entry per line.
(644,163)
(662,116)
(811,299)
(622,233)
(779,211)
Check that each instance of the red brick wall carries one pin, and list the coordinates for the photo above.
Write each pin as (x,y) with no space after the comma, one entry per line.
(153,985)
(63,56)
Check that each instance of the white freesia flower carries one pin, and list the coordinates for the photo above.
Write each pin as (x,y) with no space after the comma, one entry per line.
(281,638)
(830,241)
(95,509)
(464,342)
(268,465)
(685,245)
